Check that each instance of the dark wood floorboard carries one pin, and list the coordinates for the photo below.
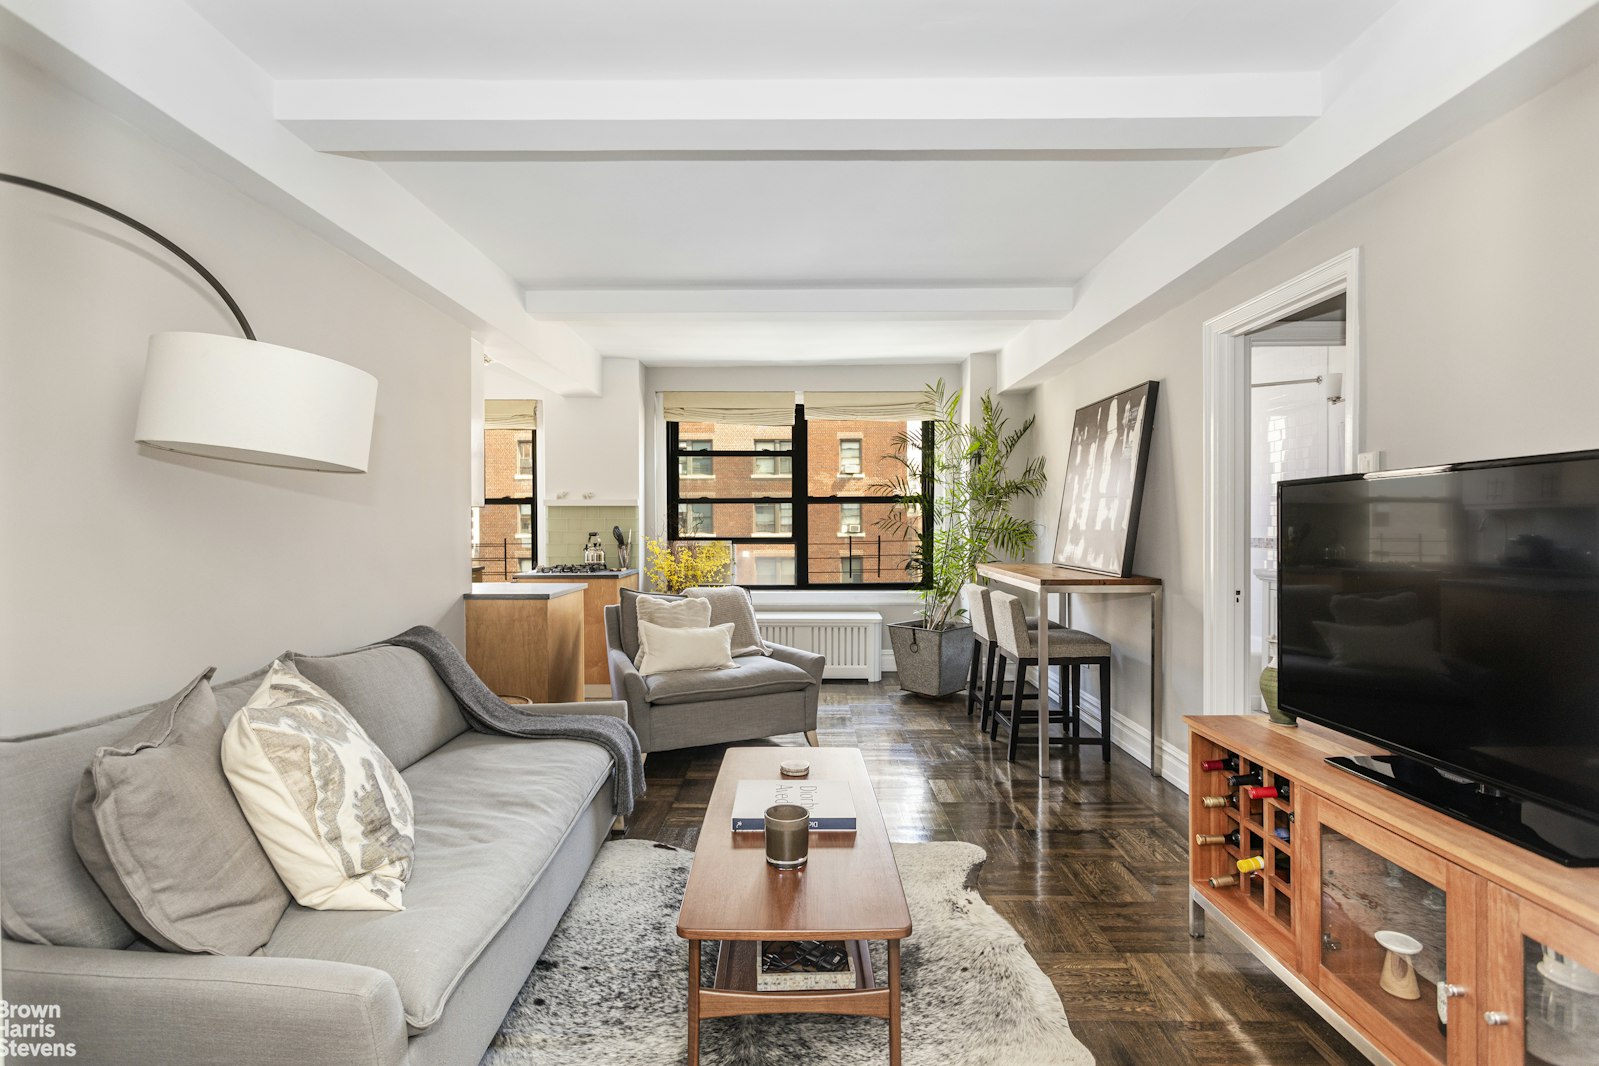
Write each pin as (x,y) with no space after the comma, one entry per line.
(1090,866)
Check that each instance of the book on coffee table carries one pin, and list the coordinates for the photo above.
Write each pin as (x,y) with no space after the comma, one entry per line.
(803,965)
(828,801)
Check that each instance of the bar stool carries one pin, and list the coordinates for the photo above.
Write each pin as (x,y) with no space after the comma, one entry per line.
(985,651)
(1070,648)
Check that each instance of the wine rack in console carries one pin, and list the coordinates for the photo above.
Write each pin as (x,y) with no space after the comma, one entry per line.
(1242,815)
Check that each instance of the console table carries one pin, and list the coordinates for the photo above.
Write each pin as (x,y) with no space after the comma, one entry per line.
(1048,580)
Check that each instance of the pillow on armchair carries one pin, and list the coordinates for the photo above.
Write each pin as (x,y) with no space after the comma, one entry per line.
(668,648)
(658,608)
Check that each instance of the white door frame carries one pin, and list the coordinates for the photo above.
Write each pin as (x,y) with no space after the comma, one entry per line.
(1226,543)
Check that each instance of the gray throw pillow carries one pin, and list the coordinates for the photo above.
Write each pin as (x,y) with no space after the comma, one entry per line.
(158,829)
(628,616)
(732,603)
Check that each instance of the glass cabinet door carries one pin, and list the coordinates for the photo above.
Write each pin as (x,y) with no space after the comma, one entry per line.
(1542,1005)
(1383,933)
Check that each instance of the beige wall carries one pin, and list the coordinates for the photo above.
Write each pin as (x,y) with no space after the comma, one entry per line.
(1481,332)
(127,571)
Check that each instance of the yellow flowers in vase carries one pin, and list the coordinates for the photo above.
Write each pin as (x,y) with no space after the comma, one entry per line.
(673,566)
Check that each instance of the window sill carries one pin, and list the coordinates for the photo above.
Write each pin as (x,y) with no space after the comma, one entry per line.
(857,595)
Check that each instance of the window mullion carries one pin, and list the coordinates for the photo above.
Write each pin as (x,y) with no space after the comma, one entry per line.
(799,487)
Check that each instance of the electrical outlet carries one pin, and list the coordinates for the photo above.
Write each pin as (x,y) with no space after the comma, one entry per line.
(1368,462)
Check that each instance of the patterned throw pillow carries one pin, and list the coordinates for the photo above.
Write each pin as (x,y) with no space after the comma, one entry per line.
(328,807)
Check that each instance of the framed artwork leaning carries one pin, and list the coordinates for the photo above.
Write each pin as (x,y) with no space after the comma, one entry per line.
(1104,486)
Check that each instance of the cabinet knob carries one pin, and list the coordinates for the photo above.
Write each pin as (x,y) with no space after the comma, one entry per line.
(1496,1017)
(1454,991)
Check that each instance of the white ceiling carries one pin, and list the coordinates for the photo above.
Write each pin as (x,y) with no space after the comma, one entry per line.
(817,39)
(531,129)
(729,224)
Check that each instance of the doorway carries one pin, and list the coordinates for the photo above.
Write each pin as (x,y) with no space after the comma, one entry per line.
(1318,309)
(1297,429)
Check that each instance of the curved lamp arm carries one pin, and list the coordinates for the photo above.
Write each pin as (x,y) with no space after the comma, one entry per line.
(133,223)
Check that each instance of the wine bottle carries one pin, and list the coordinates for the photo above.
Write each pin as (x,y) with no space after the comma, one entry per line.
(1251,778)
(1229,800)
(1211,766)
(1252,864)
(1223,881)
(1281,834)
(1256,792)
(1219,838)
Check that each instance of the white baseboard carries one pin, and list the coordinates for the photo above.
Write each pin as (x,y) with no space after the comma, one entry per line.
(1132,736)
(885,659)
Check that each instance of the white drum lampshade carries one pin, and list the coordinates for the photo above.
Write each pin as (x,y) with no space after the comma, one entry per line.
(252,402)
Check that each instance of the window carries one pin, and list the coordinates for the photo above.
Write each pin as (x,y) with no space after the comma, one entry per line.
(774,465)
(695,465)
(694,519)
(849,457)
(774,519)
(781,498)
(505,528)
(774,570)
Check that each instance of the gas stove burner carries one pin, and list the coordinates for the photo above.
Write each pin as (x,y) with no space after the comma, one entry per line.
(574,568)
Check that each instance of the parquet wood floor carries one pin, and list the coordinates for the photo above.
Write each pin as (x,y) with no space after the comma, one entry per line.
(1090,866)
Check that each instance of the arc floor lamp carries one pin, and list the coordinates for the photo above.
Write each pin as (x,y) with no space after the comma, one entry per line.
(241,399)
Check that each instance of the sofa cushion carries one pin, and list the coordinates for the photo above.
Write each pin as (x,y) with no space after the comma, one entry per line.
(628,617)
(751,675)
(394,694)
(491,812)
(159,830)
(327,805)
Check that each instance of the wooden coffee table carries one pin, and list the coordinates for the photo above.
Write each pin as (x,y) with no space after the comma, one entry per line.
(849,890)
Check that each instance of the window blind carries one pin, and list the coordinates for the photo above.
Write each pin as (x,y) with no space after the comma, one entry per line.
(876,406)
(732,408)
(510,414)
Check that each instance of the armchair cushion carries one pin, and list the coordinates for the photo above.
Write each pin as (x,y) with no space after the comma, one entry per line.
(751,675)
(627,616)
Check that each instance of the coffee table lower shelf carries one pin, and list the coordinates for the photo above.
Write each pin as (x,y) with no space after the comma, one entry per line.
(733,992)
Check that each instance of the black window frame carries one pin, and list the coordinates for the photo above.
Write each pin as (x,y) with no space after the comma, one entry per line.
(800,500)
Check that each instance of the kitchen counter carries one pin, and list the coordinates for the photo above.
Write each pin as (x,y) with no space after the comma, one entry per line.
(504,590)
(598,575)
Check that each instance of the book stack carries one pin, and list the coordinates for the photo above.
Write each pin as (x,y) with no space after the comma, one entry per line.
(829,802)
(796,965)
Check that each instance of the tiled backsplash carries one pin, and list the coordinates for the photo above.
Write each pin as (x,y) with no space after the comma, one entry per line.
(569,528)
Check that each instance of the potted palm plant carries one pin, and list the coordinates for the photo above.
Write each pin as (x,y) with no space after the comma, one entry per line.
(965,520)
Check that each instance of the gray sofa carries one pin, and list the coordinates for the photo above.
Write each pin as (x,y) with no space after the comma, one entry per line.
(506,830)
(763,696)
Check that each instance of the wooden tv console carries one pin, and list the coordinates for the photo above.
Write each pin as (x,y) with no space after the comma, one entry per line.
(1504,934)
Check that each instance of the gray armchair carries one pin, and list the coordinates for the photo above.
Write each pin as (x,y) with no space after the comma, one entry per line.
(764,696)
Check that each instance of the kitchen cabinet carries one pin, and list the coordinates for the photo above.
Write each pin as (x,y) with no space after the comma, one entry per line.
(527,641)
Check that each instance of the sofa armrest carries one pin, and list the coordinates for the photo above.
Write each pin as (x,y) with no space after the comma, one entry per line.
(613,708)
(146,1007)
(808,661)
(626,682)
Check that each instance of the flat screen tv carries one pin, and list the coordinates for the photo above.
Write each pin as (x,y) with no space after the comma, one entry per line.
(1450,615)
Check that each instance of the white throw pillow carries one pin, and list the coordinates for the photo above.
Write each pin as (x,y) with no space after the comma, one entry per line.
(327,805)
(669,614)
(665,649)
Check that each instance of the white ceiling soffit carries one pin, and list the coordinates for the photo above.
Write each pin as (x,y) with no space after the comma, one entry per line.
(160,66)
(1424,75)
(777,342)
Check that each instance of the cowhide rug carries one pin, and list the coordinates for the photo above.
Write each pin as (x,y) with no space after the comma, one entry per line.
(611,987)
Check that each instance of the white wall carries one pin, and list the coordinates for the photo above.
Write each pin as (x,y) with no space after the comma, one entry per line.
(1479,331)
(127,570)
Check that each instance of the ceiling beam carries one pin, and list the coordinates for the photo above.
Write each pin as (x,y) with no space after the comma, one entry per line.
(413,118)
(921,303)
(160,66)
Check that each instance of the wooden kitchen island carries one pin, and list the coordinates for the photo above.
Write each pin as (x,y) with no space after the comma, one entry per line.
(527,640)
(602,587)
